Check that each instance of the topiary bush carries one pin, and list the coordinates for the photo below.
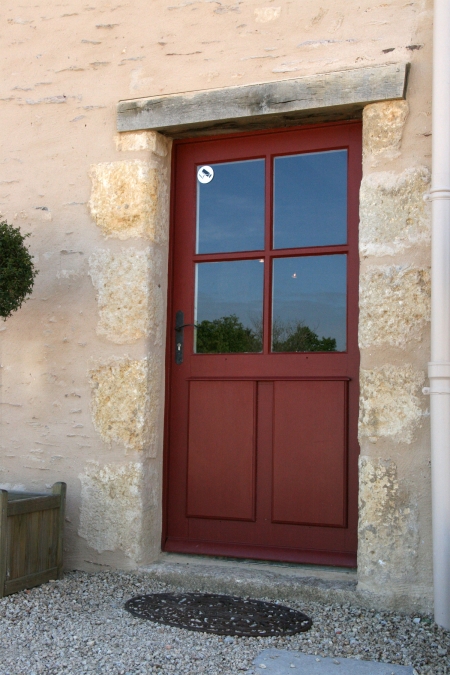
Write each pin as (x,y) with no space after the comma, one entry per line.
(17,271)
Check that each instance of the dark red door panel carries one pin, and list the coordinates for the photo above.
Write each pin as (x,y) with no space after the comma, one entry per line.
(310,453)
(221,450)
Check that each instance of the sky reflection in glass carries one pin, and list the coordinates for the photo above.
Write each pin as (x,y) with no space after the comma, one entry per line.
(230,209)
(310,199)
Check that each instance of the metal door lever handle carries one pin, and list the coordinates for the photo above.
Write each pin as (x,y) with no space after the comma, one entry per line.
(179,338)
(185,325)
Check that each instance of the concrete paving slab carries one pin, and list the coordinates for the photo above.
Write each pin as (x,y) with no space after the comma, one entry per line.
(283,662)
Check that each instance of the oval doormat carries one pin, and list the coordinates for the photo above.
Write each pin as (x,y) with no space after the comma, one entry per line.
(219,614)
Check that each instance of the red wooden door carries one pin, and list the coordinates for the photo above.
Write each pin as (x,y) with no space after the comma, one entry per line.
(261,443)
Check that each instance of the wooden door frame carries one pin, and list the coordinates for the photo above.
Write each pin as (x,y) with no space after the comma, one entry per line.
(169,362)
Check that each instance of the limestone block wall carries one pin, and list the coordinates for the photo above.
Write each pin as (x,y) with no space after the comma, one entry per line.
(394,555)
(120,509)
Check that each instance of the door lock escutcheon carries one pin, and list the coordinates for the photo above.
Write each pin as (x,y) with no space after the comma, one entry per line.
(179,336)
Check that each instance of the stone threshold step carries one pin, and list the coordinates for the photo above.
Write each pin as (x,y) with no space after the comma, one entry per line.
(284,581)
(275,581)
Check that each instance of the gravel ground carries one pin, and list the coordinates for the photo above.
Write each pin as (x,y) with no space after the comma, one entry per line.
(78,625)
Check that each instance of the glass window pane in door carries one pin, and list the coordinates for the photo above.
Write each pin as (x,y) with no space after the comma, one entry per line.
(229,307)
(309,310)
(230,207)
(310,199)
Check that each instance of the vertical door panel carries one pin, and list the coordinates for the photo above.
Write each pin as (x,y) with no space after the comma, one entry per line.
(309,453)
(221,452)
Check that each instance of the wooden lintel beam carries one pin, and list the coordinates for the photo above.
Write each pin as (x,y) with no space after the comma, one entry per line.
(331,94)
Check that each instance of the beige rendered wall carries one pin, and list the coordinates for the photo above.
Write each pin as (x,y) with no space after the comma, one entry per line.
(82,361)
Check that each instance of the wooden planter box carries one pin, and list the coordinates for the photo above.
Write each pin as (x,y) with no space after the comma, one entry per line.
(31,538)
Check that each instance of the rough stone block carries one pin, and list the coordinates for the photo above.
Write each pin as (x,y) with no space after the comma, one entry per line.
(393,213)
(394,305)
(389,402)
(155,402)
(383,125)
(142,140)
(388,524)
(130,301)
(120,401)
(111,507)
(124,199)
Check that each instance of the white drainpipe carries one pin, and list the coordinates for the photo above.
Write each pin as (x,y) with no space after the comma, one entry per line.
(439,368)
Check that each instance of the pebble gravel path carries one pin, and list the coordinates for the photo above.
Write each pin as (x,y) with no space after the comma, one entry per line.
(78,626)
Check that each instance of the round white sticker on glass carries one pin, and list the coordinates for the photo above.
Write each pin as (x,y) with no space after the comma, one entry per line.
(205,174)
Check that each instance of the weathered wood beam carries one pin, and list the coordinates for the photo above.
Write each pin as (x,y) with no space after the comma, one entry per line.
(61,490)
(35,579)
(3,539)
(41,503)
(330,95)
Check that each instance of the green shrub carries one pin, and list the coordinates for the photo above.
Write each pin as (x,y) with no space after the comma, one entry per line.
(17,271)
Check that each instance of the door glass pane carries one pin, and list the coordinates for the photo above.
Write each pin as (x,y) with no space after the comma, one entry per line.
(310,199)
(229,307)
(230,207)
(309,304)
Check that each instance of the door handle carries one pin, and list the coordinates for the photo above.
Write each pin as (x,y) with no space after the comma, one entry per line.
(179,336)
(186,325)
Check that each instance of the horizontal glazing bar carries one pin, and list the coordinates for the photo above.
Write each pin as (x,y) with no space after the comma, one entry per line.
(279,253)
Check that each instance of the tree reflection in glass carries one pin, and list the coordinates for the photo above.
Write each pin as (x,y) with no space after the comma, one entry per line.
(229,300)
(226,335)
(296,337)
(309,304)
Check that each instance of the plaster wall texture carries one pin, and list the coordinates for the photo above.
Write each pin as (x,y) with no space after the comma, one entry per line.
(82,383)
